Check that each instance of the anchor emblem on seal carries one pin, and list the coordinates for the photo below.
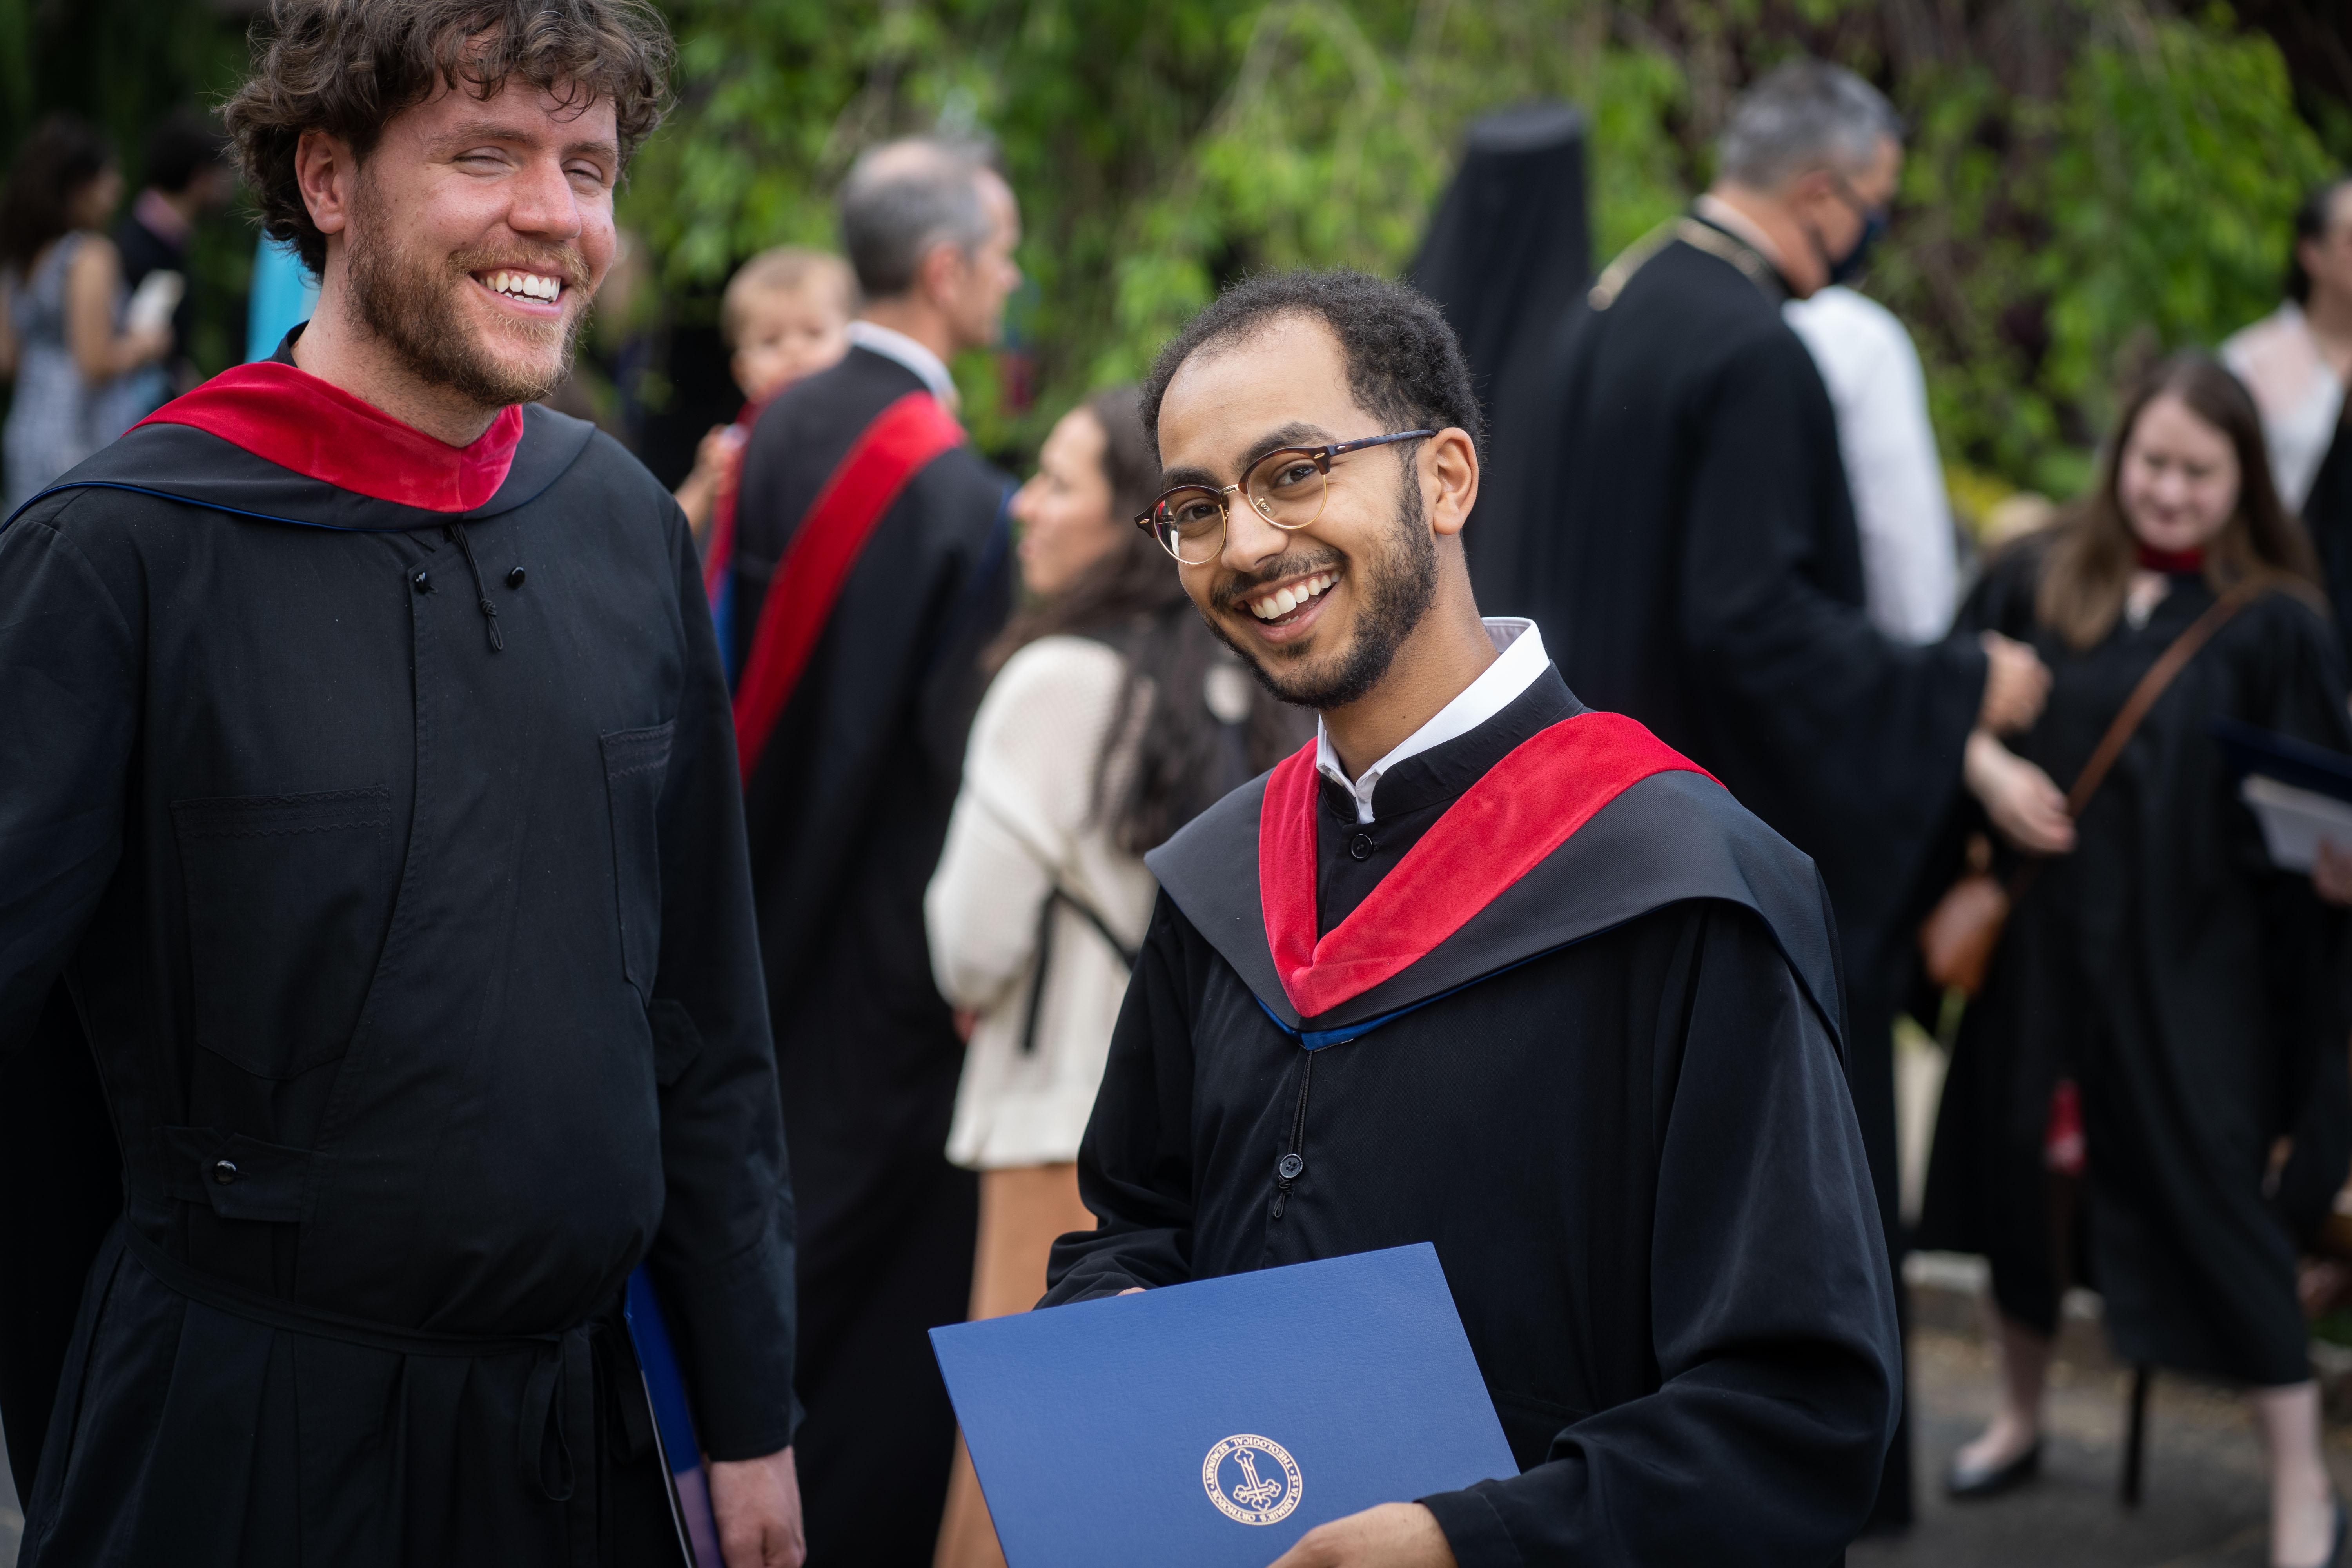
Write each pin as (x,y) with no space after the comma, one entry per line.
(1253,1496)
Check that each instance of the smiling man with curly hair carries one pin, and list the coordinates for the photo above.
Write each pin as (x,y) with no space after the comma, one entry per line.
(382,848)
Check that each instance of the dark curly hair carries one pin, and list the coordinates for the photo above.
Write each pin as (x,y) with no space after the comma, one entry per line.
(1404,365)
(349,66)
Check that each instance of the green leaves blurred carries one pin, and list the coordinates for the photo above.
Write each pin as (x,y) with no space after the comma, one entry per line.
(2089,183)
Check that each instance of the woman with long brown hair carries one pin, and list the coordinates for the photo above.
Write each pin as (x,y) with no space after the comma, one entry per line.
(63,335)
(2150,1092)
(1114,716)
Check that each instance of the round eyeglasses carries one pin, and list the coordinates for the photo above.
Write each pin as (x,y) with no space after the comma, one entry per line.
(1285,488)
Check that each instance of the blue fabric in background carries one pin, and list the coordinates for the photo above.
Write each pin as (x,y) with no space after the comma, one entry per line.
(283,295)
(1099,1429)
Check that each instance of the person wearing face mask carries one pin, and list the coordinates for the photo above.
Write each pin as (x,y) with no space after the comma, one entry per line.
(1113,718)
(2150,1091)
(1701,568)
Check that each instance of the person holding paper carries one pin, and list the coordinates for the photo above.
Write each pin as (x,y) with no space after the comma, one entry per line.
(1482,967)
(370,828)
(2162,1026)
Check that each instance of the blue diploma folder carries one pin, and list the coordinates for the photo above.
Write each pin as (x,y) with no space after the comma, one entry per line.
(1215,1423)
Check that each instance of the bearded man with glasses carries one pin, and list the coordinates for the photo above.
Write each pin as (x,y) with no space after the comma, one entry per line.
(1484,968)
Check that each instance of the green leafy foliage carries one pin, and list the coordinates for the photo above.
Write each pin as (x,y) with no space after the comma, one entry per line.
(2089,181)
(2057,222)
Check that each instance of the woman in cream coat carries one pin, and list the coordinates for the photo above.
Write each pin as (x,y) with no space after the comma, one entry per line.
(1077,767)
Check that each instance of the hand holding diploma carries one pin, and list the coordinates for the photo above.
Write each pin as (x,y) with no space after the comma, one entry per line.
(1393,1535)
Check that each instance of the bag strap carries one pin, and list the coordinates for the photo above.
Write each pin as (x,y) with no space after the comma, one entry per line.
(1086,911)
(2168,664)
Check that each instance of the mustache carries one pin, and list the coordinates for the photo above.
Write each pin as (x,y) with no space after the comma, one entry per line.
(561,262)
(1236,586)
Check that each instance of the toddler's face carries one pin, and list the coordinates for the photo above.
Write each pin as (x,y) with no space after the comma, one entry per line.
(788,335)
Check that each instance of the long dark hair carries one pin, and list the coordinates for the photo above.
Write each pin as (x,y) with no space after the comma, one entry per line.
(56,166)
(2310,223)
(1132,600)
(2091,560)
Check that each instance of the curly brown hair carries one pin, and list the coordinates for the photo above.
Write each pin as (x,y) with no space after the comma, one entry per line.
(349,66)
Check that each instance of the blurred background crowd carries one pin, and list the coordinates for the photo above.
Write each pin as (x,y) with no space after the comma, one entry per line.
(2087,189)
(2086,183)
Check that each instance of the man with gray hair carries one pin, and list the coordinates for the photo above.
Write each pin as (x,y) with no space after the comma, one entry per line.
(870,566)
(1701,564)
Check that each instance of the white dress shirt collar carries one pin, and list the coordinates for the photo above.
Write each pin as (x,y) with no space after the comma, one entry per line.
(929,368)
(1522,660)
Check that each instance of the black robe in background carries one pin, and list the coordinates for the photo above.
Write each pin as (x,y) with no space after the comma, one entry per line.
(2327,516)
(1507,252)
(422,979)
(1702,573)
(1633,1151)
(848,810)
(2198,996)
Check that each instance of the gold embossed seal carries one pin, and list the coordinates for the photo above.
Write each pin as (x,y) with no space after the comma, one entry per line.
(1253,1496)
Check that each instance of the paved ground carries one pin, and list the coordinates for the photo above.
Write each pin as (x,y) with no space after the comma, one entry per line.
(2203,1502)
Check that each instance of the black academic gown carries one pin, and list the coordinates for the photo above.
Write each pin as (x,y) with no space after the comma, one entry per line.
(422,981)
(2327,516)
(848,807)
(2198,996)
(1613,1102)
(1508,249)
(1705,576)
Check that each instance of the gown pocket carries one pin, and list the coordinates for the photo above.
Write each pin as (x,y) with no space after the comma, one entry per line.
(288,897)
(636,763)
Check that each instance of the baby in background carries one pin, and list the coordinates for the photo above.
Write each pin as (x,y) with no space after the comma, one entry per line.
(786,314)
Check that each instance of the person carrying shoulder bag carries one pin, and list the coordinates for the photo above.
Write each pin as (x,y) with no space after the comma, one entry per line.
(2164,1012)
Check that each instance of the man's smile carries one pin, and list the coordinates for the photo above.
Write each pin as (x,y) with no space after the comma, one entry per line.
(1287,609)
(541,290)
(1287,599)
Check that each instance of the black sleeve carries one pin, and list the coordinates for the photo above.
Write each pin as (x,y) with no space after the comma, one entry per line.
(724,1253)
(1135,1164)
(1867,731)
(70,663)
(70,657)
(2306,944)
(1772,1310)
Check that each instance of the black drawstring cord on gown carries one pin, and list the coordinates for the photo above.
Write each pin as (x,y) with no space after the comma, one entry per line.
(481,592)
(1292,1165)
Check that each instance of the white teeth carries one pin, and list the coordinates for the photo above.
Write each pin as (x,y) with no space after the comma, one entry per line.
(527,285)
(1282,601)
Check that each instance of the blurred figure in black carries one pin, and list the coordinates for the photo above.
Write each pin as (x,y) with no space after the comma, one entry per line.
(2162,1029)
(188,179)
(1703,566)
(2296,362)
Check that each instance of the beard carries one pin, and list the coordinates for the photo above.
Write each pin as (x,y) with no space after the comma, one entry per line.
(1396,587)
(409,302)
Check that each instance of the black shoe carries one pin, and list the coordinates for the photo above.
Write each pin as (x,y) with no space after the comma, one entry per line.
(1967,1486)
